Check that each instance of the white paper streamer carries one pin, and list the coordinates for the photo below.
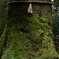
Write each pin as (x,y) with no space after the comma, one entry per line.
(30,8)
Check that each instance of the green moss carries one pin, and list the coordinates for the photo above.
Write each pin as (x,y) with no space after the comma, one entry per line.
(43,19)
(22,29)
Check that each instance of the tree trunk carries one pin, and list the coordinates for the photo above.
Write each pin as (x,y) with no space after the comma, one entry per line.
(28,35)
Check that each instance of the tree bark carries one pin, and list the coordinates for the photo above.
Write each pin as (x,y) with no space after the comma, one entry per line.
(28,35)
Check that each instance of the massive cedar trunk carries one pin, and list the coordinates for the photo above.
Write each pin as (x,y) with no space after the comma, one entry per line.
(28,36)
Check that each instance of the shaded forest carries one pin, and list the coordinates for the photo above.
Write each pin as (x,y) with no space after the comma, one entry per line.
(25,35)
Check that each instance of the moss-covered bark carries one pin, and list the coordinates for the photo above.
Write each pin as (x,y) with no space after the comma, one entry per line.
(28,36)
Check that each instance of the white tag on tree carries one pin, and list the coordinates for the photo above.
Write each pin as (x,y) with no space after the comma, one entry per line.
(30,8)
